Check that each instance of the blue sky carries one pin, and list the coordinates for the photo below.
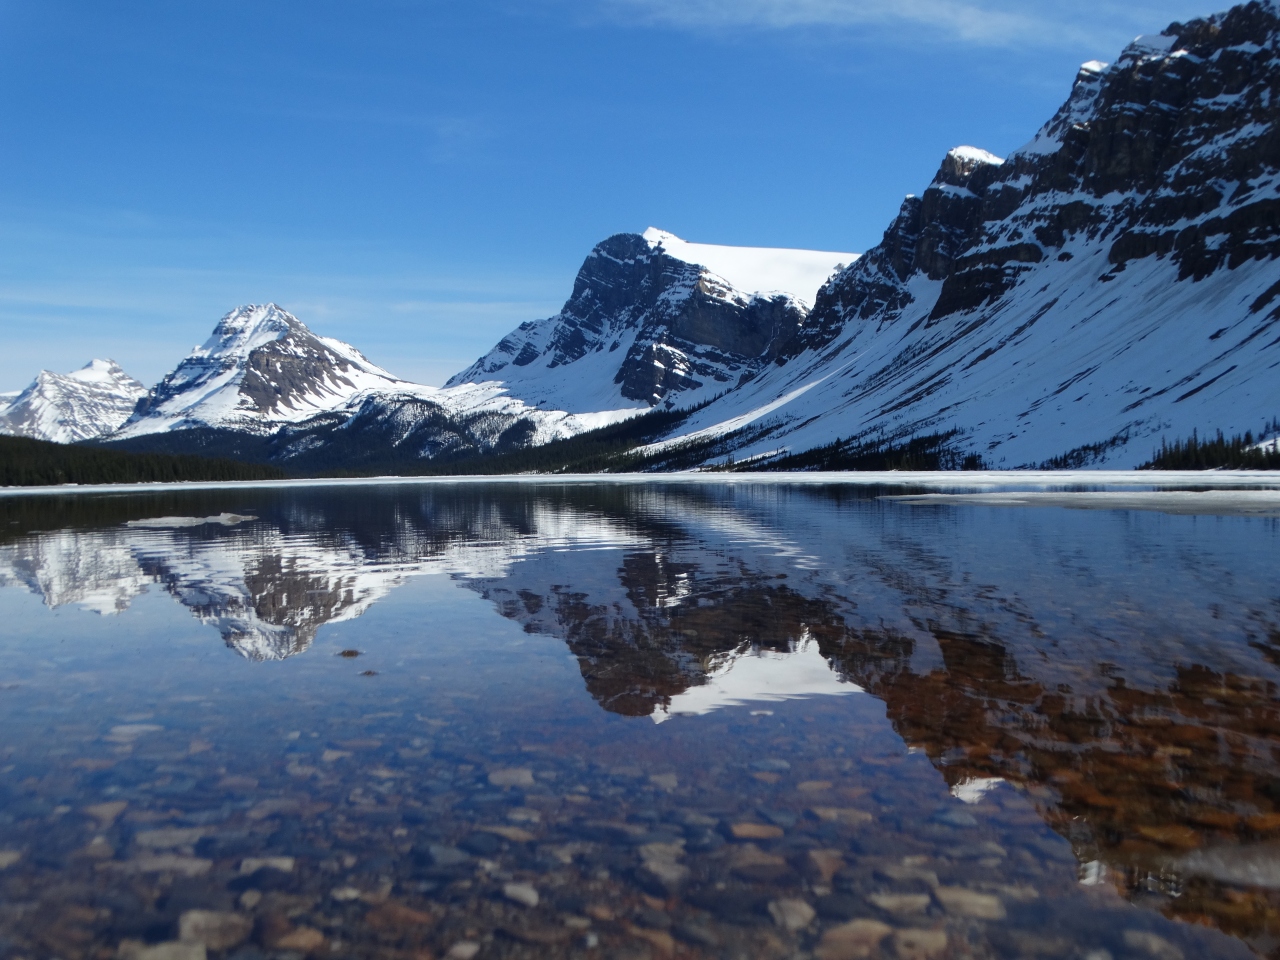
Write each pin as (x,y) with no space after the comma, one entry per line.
(418,176)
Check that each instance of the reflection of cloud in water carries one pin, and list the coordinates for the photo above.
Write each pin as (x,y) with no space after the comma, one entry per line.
(974,789)
(759,676)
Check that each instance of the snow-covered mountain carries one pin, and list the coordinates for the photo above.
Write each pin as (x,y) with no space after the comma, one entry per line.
(68,407)
(653,318)
(265,386)
(260,369)
(1112,282)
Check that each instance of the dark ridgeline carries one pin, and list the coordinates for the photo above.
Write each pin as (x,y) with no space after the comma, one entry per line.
(30,463)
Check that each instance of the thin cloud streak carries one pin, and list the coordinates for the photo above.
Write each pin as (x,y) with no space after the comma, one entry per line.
(994,23)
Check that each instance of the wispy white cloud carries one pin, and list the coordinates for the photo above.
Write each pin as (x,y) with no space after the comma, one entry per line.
(1038,23)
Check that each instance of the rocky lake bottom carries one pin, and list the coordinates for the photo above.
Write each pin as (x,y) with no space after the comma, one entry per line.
(635,721)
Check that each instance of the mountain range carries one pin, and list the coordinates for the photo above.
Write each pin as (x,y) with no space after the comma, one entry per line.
(1111,283)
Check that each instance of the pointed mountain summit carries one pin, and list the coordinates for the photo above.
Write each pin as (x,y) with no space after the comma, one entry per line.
(70,407)
(653,317)
(260,369)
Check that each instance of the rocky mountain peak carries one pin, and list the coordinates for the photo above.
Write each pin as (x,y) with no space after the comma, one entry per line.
(652,317)
(261,368)
(1171,151)
(248,327)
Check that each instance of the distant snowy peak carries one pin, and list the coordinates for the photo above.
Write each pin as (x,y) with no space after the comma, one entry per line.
(260,369)
(798,273)
(654,318)
(70,407)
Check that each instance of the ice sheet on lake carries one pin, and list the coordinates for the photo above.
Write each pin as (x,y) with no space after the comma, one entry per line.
(1218,503)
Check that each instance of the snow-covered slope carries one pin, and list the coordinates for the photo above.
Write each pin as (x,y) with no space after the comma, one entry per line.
(653,318)
(65,408)
(797,273)
(1114,281)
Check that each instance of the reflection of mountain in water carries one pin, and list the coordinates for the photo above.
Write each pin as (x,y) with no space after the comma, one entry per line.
(1120,669)
(267,586)
(266,594)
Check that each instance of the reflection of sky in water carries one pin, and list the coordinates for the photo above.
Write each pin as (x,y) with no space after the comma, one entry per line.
(1065,743)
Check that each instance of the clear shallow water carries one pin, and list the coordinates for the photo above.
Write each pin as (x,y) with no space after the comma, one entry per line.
(739,721)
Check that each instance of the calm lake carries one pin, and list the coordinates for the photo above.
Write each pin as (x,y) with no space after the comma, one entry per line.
(636,721)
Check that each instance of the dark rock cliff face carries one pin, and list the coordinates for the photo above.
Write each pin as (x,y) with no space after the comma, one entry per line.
(680,326)
(1171,152)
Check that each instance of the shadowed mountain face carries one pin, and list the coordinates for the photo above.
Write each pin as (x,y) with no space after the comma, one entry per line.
(1118,669)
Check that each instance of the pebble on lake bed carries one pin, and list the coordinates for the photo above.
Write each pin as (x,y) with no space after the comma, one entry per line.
(279,935)
(169,837)
(172,950)
(99,848)
(253,864)
(920,944)
(755,831)
(511,777)
(214,929)
(521,893)
(850,816)
(898,903)
(161,863)
(827,862)
(791,914)
(969,903)
(129,732)
(855,940)
(392,916)
(463,950)
(106,813)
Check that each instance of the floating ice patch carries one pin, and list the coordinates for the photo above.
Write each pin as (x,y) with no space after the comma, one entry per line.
(1245,503)
(169,523)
